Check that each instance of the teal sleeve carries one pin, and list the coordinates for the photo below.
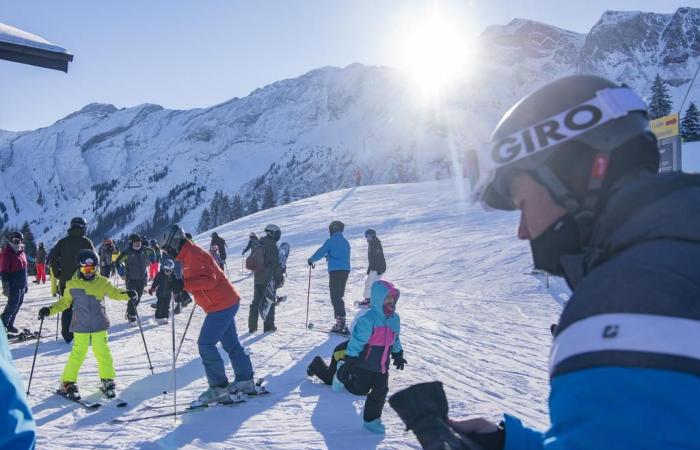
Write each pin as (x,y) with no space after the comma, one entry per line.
(361,333)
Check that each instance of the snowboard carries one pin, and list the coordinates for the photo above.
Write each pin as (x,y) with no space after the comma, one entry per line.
(270,297)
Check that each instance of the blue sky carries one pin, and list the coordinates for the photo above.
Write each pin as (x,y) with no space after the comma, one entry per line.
(185,54)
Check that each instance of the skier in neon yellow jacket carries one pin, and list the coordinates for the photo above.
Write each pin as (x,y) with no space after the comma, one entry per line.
(86,291)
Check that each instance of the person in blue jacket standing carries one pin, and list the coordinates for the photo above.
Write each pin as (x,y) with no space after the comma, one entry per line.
(578,161)
(336,250)
(17,428)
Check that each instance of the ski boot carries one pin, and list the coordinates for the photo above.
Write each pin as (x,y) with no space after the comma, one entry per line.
(312,370)
(162,321)
(70,390)
(215,394)
(243,387)
(363,304)
(131,320)
(177,308)
(337,385)
(108,388)
(11,329)
(340,327)
(375,426)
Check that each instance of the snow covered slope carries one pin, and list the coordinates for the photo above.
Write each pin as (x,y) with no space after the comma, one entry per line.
(470,318)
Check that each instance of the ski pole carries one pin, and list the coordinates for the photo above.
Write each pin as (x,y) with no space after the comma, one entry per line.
(58,320)
(308,294)
(172,315)
(150,365)
(36,350)
(184,333)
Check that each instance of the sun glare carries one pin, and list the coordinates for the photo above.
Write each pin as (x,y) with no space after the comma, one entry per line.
(434,53)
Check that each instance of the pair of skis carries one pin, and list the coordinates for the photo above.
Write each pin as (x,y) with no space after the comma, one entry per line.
(92,405)
(24,335)
(236,400)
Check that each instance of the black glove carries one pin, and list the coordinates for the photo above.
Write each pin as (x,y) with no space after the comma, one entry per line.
(399,360)
(309,262)
(133,295)
(423,408)
(44,312)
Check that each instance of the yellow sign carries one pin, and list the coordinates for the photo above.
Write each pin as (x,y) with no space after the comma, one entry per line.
(666,127)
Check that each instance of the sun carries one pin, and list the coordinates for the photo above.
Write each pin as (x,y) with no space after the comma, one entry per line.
(434,53)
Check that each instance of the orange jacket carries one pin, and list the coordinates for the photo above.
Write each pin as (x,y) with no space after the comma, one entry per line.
(205,280)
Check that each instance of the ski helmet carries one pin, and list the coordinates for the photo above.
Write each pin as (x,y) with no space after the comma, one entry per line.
(253,236)
(370,233)
(78,222)
(167,265)
(214,248)
(153,243)
(134,238)
(575,136)
(273,231)
(16,235)
(336,225)
(172,239)
(87,262)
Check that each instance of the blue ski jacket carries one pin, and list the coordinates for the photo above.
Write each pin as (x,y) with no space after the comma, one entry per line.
(17,428)
(625,362)
(337,252)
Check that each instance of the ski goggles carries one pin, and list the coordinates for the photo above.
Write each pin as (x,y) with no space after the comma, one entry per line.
(16,240)
(528,148)
(87,270)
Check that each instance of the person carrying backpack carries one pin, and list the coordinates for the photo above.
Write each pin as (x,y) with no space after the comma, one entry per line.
(270,269)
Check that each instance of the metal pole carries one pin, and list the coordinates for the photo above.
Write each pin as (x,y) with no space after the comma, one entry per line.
(172,315)
(36,350)
(182,340)
(58,323)
(150,365)
(308,295)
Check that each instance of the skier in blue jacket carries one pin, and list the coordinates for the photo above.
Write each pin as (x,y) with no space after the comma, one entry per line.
(577,159)
(336,250)
(17,428)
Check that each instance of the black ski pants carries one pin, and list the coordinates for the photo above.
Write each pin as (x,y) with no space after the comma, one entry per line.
(336,284)
(360,381)
(138,286)
(258,297)
(163,307)
(66,317)
(325,372)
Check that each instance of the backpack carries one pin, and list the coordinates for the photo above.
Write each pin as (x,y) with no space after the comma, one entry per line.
(255,262)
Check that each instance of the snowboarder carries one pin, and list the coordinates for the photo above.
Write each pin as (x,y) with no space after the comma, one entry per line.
(252,242)
(270,271)
(155,262)
(336,250)
(220,244)
(578,161)
(214,252)
(218,298)
(364,370)
(86,292)
(163,285)
(63,263)
(40,264)
(376,266)
(134,263)
(13,271)
(105,253)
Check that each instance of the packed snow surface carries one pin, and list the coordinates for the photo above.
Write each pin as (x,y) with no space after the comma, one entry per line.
(471,317)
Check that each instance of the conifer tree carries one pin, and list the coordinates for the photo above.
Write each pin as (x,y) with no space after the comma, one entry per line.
(690,125)
(660,103)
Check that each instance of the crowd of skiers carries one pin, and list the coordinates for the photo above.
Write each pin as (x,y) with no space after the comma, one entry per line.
(577,160)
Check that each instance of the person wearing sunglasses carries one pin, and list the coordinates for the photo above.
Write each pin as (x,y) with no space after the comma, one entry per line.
(86,293)
(13,270)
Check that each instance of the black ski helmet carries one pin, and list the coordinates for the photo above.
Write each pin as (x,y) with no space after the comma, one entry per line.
(173,239)
(87,257)
(370,233)
(575,136)
(167,264)
(133,237)
(78,222)
(335,226)
(273,231)
(16,235)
